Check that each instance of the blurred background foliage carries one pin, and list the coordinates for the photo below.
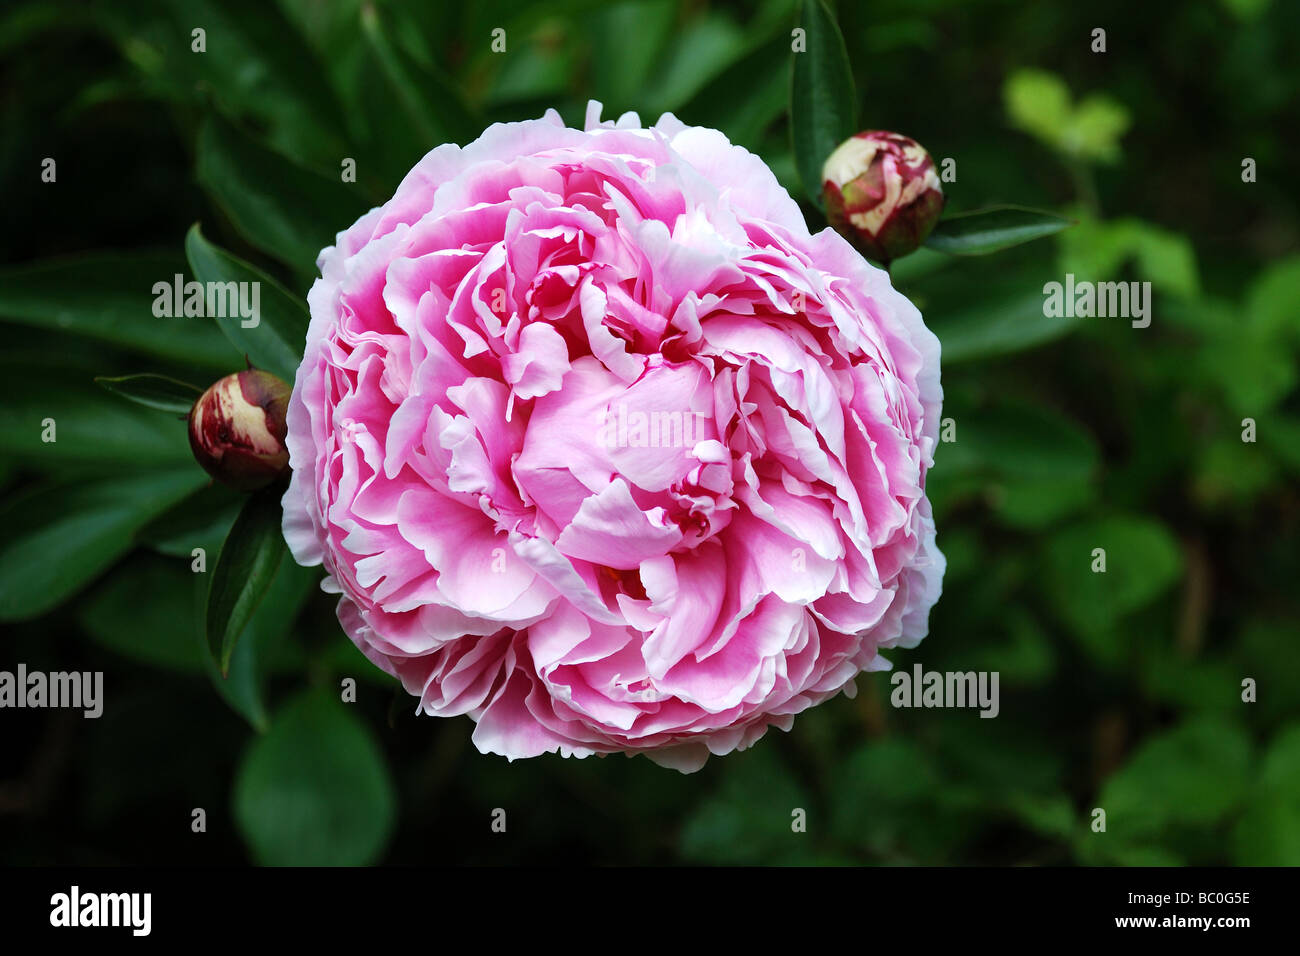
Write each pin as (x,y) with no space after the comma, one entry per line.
(1120,690)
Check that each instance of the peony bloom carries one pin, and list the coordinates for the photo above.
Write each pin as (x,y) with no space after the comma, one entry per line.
(237,429)
(601,447)
(882,193)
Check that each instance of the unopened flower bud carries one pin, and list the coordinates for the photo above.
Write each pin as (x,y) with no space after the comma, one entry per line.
(882,193)
(237,429)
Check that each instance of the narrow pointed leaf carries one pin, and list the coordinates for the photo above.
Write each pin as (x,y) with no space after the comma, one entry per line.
(286,211)
(111,297)
(59,538)
(823,100)
(154,391)
(984,231)
(244,570)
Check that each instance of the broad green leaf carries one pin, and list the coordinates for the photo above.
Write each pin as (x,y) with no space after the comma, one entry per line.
(316,790)
(1018,440)
(746,99)
(1191,776)
(1033,465)
(919,264)
(1272,297)
(1268,832)
(1095,129)
(57,420)
(1039,103)
(983,231)
(202,520)
(887,795)
(997,327)
(1096,251)
(1166,259)
(111,297)
(748,821)
(1025,656)
(275,343)
(59,538)
(154,391)
(1254,373)
(1052,816)
(143,610)
(1035,503)
(244,570)
(1142,560)
(288,212)
(264,648)
(823,99)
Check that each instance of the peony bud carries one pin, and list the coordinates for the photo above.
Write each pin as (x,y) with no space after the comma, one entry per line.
(237,429)
(882,193)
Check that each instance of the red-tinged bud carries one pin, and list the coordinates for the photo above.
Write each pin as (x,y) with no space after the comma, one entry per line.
(237,429)
(882,193)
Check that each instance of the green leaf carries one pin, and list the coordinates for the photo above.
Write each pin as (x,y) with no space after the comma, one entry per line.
(110,297)
(1039,103)
(286,211)
(401,105)
(1272,297)
(154,391)
(630,36)
(823,100)
(1253,372)
(263,648)
(58,538)
(748,821)
(1165,258)
(276,341)
(87,427)
(256,67)
(1018,440)
(1191,776)
(243,572)
(201,520)
(1097,250)
(746,99)
(983,231)
(1268,833)
(998,326)
(889,803)
(143,610)
(1096,127)
(703,51)
(1142,561)
(315,791)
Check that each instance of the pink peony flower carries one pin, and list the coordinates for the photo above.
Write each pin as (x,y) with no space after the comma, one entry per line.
(601,447)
